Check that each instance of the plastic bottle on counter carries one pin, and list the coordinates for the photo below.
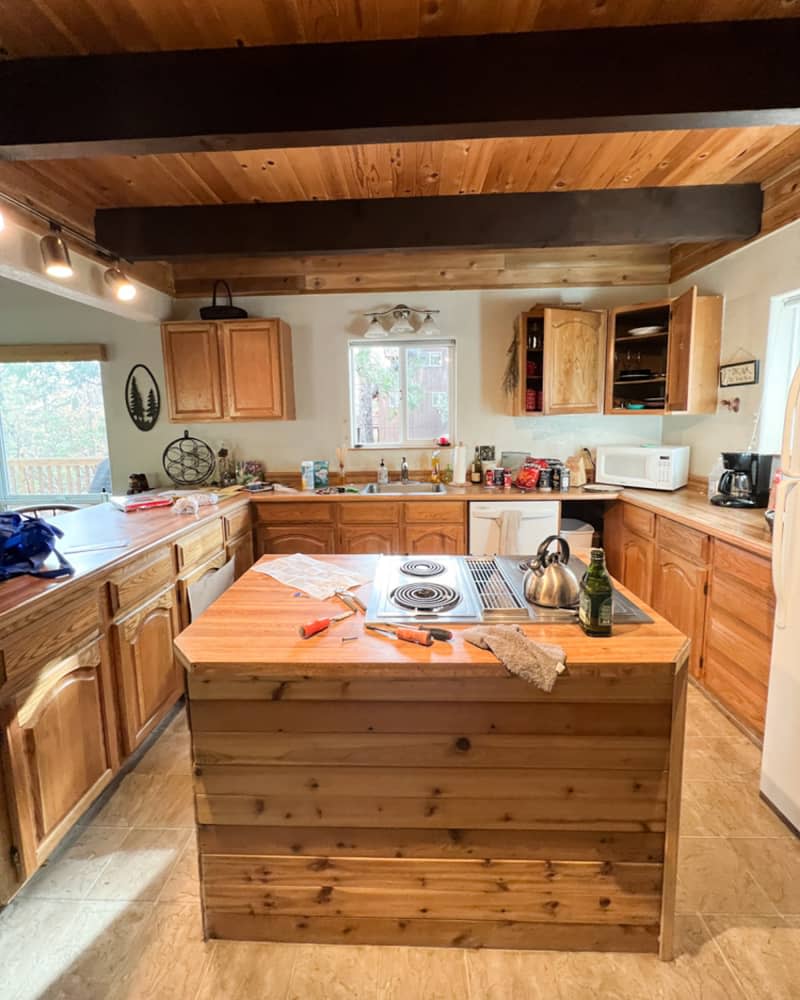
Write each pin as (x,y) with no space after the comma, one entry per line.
(383,474)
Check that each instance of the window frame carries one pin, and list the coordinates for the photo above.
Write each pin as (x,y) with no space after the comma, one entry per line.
(776,370)
(43,354)
(446,346)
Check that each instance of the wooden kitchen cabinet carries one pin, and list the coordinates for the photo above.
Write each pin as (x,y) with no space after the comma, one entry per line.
(679,594)
(231,370)
(284,539)
(435,539)
(60,751)
(355,539)
(242,550)
(149,677)
(561,359)
(638,559)
(679,361)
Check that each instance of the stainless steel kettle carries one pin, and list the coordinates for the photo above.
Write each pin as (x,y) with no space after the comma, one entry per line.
(549,581)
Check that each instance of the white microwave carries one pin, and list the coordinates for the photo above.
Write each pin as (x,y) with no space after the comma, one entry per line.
(647,466)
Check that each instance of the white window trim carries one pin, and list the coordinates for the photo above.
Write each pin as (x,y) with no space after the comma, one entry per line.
(777,373)
(439,344)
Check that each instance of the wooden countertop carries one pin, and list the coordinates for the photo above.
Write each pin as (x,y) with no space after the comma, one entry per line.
(745,528)
(468,492)
(252,630)
(104,524)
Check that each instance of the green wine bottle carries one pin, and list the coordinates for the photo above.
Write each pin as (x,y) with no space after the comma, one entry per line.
(596,597)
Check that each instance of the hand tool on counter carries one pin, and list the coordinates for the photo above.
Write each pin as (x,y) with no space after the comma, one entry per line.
(313,628)
(444,634)
(352,601)
(417,635)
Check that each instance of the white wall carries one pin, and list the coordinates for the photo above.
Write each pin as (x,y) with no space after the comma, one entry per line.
(748,279)
(480,322)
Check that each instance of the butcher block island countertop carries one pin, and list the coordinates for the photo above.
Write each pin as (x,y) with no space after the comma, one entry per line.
(378,792)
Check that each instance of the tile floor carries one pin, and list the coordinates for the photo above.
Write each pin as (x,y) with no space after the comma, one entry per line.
(115,916)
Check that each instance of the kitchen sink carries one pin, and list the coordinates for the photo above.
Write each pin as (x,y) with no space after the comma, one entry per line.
(404,489)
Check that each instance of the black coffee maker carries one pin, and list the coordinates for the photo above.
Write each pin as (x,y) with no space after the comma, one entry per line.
(745,481)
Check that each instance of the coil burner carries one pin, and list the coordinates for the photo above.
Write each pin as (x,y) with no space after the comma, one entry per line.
(425,598)
(422,567)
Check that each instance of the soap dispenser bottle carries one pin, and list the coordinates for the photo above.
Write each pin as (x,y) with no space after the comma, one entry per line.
(383,474)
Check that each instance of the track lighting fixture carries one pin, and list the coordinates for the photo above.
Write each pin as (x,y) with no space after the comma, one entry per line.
(120,284)
(55,254)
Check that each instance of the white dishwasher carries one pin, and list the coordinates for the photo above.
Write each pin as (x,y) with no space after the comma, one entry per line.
(523,524)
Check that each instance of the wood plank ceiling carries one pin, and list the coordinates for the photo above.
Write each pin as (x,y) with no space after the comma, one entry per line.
(71,190)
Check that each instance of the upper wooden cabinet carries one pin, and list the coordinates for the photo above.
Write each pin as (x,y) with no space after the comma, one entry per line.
(677,361)
(232,370)
(561,361)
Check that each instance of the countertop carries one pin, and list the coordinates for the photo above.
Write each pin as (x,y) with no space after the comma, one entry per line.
(467,492)
(125,535)
(252,630)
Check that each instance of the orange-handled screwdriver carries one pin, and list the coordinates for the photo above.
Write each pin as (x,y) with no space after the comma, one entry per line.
(313,628)
(417,635)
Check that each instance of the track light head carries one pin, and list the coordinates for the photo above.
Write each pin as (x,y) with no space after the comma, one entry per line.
(120,284)
(55,255)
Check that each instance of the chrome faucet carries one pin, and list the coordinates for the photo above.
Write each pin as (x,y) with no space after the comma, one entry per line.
(404,471)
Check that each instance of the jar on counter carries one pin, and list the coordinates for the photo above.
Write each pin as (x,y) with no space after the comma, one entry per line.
(565,480)
(546,480)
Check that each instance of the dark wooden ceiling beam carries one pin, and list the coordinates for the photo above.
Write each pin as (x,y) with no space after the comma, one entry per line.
(495,221)
(422,89)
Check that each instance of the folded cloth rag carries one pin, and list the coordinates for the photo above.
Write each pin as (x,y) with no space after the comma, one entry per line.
(537,662)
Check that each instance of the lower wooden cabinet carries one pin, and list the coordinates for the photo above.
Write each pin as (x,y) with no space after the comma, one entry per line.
(435,539)
(284,539)
(357,539)
(242,551)
(679,594)
(149,677)
(60,751)
(637,558)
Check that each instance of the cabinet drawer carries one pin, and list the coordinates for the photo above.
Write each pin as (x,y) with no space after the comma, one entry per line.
(42,641)
(302,512)
(425,511)
(369,512)
(638,520)
(237,522)
(683,541)
(752,570)
(138,579)
(199,545)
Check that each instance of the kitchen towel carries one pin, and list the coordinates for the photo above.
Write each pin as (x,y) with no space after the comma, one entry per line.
(508,543)
(537,662)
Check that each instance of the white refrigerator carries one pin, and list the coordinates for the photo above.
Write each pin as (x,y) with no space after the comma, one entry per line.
(780,764)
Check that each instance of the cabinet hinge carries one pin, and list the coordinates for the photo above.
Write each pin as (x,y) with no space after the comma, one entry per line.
(705,589)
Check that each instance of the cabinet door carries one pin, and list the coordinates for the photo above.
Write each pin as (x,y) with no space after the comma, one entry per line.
(435,539)
(257,370)
(241,550)
(613,538)
(312,539)
(355,539)
(637,565)
(681,331)
(679,594)
(574,361)
(150,679)
(192,370)
(60,750)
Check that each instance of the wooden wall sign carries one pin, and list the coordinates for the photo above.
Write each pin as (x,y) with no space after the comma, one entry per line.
(142,397)
(739,373)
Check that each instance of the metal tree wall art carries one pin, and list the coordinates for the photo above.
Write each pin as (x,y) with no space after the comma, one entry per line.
(142,397)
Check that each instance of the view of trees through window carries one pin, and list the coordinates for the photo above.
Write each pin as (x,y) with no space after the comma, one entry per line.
(53,428)
(400,392)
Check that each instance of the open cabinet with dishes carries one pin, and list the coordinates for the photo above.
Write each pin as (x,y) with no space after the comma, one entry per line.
(663,356)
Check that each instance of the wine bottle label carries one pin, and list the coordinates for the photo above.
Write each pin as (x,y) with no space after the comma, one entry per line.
(595,611)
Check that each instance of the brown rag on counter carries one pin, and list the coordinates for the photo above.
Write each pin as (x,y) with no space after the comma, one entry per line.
(537,662)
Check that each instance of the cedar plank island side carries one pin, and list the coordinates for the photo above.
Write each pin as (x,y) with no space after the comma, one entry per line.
(384,793)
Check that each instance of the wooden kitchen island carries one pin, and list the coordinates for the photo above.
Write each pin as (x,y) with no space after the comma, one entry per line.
(373,791)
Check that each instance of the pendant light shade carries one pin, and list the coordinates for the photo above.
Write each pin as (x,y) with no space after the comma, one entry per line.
(55,255)
(428,327)
(375,330)
(402,323)
(120,285)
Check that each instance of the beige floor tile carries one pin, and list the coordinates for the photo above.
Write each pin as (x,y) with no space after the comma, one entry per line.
(180,724)
(334,972)
(433,973)
(183,884)
(512,975)
(29,931)
(72,872)
(727,809)
(698,971)
(592,976)
(141,865)
(712,878)
(150,800)
(737,759)
(120,809)
(247,970)
(763,953)
(699,763)
(171,956)
(775,865)
(171,754)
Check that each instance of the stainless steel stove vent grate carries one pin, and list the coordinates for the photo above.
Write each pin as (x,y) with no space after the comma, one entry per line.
(498,600)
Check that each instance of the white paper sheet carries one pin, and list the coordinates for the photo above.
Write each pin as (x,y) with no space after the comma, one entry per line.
(315,578)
